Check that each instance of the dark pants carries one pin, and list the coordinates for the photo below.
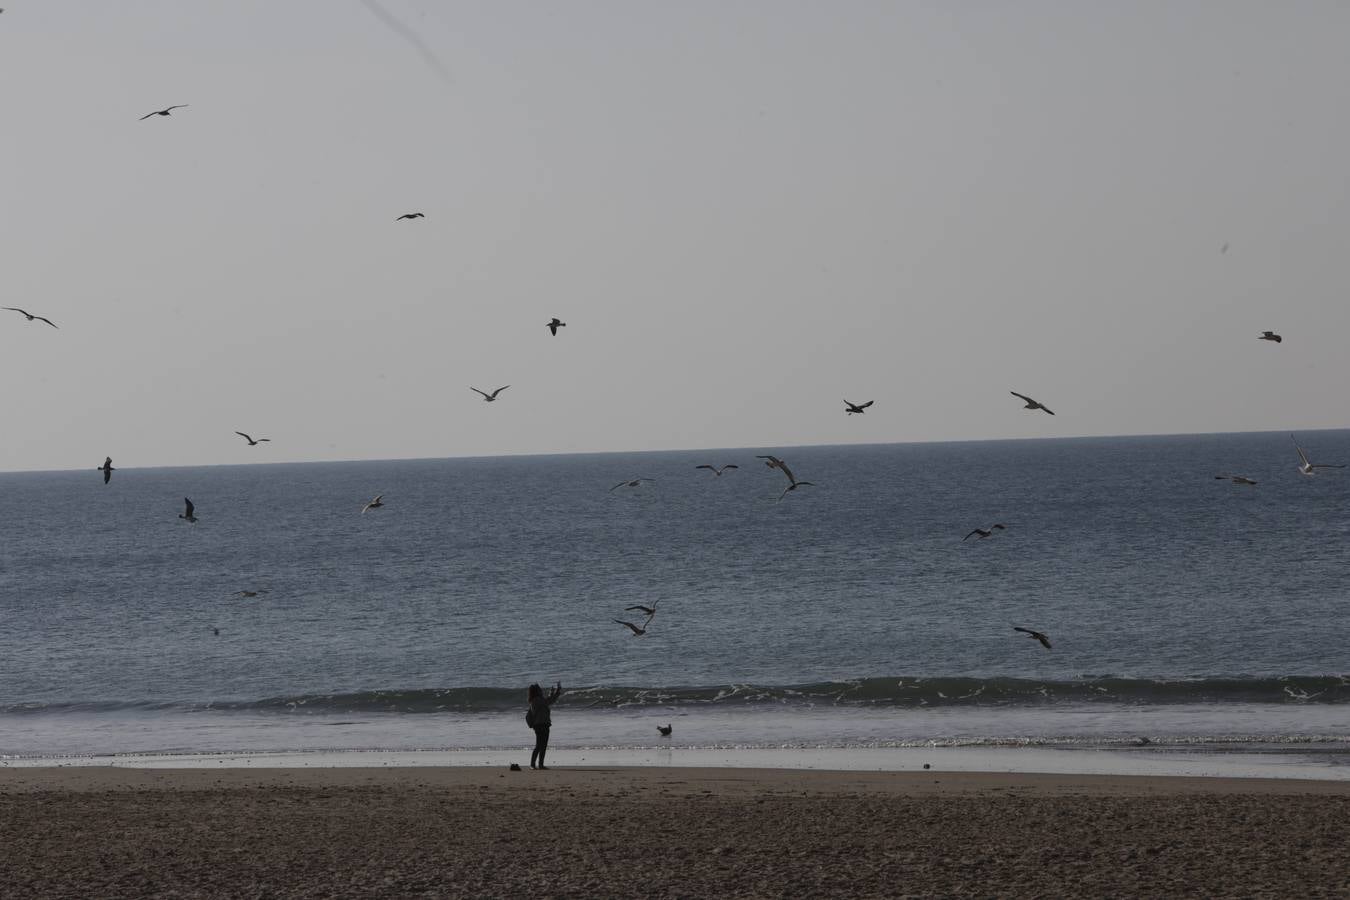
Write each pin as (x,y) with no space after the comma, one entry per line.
(540,745)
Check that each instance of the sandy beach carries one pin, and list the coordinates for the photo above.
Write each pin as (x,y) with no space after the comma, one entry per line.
(452,832)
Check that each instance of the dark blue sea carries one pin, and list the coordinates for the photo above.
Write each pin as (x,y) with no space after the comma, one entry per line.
(1183,610)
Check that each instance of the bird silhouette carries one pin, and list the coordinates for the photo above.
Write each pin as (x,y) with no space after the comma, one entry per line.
(187,513)
(634,483)
(983,533)
(162,112)
(665,730)
(1309,468)
(251,441)
(1236,479)
(492,396)
(554,325)
(30,316)
(1045,641)
(411,216)
(774,462)
(1270,336)
(637,629)
(1032,404)
(107,470)
(716,471)
(857,407)
(374,504)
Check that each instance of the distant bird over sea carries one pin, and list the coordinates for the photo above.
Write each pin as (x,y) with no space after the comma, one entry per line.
(187,514)
(1031,404)
(634,483)
(162,112)
(1270,336)
(716,471)
(374,504)
(774,462)
(251,441)
(1040,636)
(648,611)
(555,324)
(248,593)
(665,730)
(1236,479)
(637,630)
(30,316)
(492,396)
(983,533)
(411,216)
(856,407)
(107,470)
(1310,468)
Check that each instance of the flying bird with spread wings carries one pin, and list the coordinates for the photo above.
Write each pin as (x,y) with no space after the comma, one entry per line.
(162,112)
(857,407)
(774,462)
(1270,336)
(1032,404)
(107,470)
(251,441)
(1038,635)
(1307,467)
(716,471)
(411,216)
(554,324)
(374,504)
(492,396)
(30,316)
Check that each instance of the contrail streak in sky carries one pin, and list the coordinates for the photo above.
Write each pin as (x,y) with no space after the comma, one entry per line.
(411,37)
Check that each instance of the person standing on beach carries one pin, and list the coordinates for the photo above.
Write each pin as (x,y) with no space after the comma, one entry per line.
(540,720)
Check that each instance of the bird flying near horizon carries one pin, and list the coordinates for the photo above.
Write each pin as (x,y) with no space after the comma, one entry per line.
(374,504)
(774,462)
(162,112)
(492,396)
(1236,479)
(187,513)
(251,441)
(107,470)
(1306,467)
(1040,636)
(1032,404)
(857,407)
(983,533)
(716,471)
(30,316)
(634,483)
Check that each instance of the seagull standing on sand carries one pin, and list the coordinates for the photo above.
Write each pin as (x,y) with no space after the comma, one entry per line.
(251,441)
(162,112)
(774,462)
(492,396)
(1270,336)
(1031,404)
(983,533)
(1040,636)
(374,504)
(637,630)
(716,471)
(1236,479)
(107,470)
(1310,468)
(410,216)
(857,408)
(30,316)
(554,325)
(187,513)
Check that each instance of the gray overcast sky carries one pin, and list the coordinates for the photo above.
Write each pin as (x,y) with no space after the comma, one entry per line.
(745,212)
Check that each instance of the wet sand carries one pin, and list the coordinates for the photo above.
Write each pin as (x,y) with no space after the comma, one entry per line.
(450,832)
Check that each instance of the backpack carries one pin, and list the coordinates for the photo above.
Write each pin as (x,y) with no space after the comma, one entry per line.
(529,718)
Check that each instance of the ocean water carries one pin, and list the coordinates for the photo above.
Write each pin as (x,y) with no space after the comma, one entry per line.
(1184,611)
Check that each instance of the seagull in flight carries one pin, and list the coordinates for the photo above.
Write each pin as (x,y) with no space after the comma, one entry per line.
(1270,336)
(555,324)
(492,396)
(983,533)
(716,471)
(1040,636)
(187,514)
(411,216)
(1236,479)
(1031,404)
(637,630)
(30,316)
(251,441)
(634,483)
(374,504)
(161,112)
(774,462)
(1310,468)
(107,470)
(649,611)
(857,408)
(248,593)
(665,730)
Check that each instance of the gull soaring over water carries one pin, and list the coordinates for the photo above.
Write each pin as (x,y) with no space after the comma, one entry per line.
(1236,479)
(774,462)
(554,325)
(1031,404)
(374,504)
(665,730)
(1270,336)
(162,112)
(1040,636)
(30,316)
(107,470)
(716,471)
(634,483)
(1310,468)
(251,441)
(648,611)
(857,407)
(492,396)
(187,513)
(637,630)
(983,533)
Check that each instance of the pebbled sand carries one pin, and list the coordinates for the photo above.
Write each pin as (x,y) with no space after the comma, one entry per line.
(473,832)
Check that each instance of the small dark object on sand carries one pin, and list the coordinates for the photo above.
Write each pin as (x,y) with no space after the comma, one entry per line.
(665,730)
(926,766)
(515,767)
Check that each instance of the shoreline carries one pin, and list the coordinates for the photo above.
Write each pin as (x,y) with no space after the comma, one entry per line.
(663,832)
